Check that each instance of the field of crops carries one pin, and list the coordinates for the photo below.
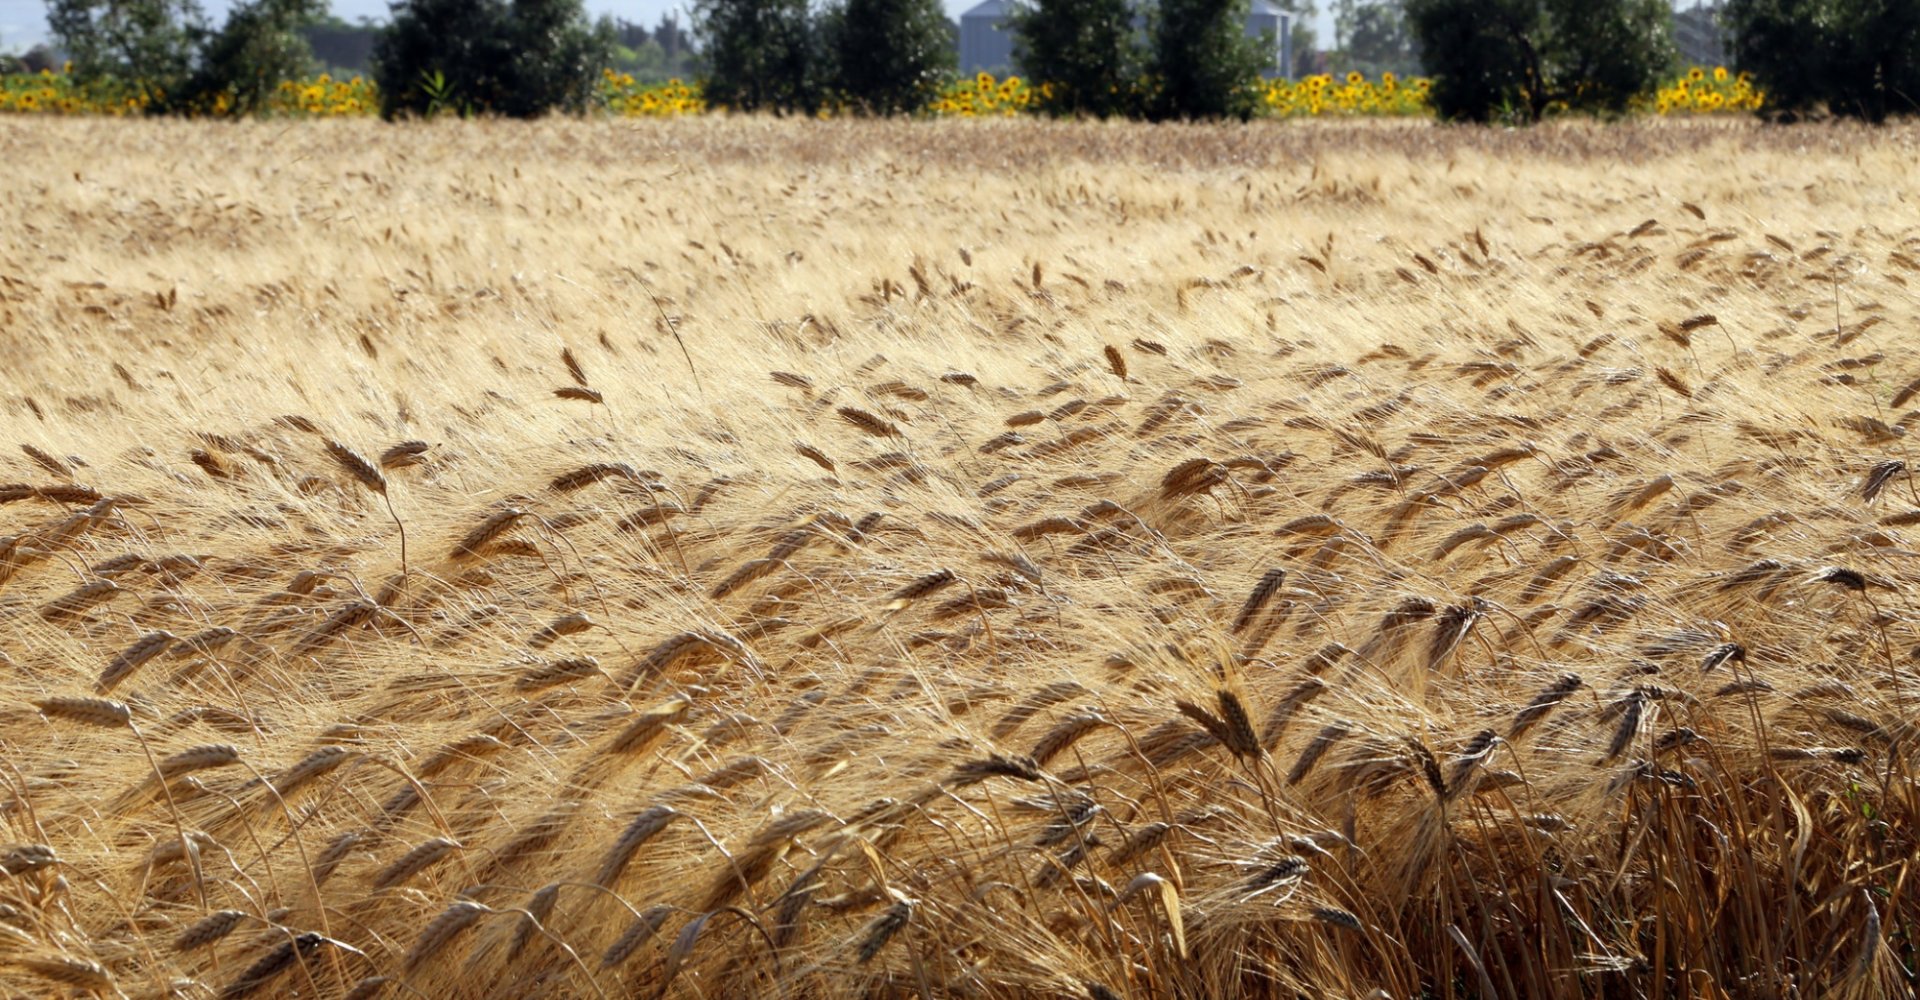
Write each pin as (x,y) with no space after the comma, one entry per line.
(753,558)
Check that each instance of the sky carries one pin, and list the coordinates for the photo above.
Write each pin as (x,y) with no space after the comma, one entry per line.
(23,22)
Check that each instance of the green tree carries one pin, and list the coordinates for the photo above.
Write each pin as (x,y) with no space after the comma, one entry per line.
(1204,65)
(169,48)
(561,54)
(1473,50)
(1854,58)
(150,42)
(682,60)
(1372,36)
(646,62)
(1604,54)
(521,59)
(1519,58)
(652,56)
(1305,41)
(259,46)
(889,56)
(1087,51)
(761,55)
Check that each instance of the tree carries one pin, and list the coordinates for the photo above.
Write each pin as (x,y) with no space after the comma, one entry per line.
(651,56)
(671,37)
(560,55)
(1472,50)
(682,60)
(522,58)
(1604,54)
(762,55)
(889,55)
(185,65)
(1520,58)
(1086,51)
(1305,41)
(1855,58)
(148,42)
(1204,64)
(629,34)
(259,46)
(1372,36)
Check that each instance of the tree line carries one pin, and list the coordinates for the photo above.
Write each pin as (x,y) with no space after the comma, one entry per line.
(1490,60)
(1192,60)
(1517,59)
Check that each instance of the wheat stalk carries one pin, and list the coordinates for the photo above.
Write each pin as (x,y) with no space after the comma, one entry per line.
(891,921)
(366,475)
(638,933)
(442,930)
(423,856)
(643,828)
(200,758)
(208,930)
(133,658)
(273,965)
(80,973)
(99,712)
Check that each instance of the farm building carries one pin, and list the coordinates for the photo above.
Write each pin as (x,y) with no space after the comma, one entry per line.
(986,36)
(1268,19)
(1699,35)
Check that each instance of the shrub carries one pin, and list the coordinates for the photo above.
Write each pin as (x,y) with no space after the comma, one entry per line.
(890,56)
(1853,58)
(1087,51)
(258,47)
(762,55)
(1518,59)
(520,59)
(1374,38)
(1204,64)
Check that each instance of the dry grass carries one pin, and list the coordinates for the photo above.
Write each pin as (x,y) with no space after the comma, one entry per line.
(1421,562)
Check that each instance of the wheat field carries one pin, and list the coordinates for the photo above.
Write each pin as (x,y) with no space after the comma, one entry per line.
(762,558)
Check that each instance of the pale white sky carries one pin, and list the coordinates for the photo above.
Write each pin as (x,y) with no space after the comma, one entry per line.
(23,22)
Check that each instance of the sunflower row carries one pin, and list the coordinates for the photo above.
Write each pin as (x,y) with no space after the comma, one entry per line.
(325,97)
(1704,91)
(1324,95)
(48,92)
(983,96)
(626,97)
(1699,91)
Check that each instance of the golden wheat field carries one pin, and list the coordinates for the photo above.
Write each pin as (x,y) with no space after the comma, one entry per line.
(746,558)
